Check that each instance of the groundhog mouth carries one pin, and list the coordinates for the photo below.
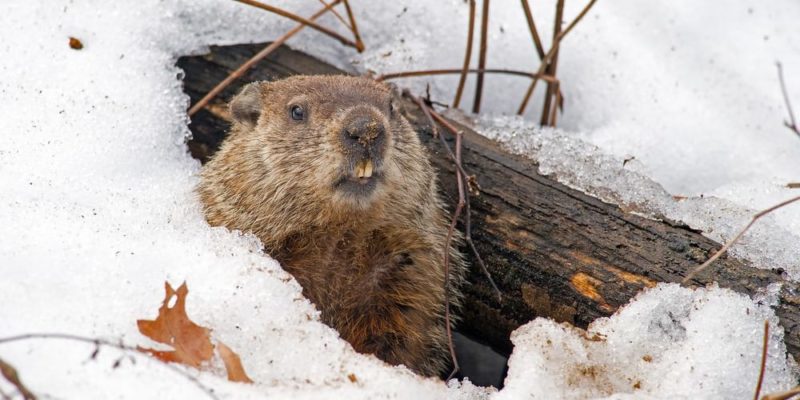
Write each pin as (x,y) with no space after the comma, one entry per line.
(361,181)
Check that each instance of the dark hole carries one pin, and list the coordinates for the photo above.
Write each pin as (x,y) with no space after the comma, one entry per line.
(479,362)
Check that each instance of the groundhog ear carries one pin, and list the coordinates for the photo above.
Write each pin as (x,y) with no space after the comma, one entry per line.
(246,106)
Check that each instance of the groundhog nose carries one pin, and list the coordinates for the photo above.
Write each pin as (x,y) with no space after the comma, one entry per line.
(363,130)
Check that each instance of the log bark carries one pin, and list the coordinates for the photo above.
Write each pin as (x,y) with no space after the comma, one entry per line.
(553,251)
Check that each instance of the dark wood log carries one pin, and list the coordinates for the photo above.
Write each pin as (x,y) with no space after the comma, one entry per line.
(553,251)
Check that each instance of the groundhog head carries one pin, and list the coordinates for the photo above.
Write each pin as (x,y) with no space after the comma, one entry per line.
(330,137)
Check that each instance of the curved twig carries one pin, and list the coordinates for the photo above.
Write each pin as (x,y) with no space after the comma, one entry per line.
(467,55)
(255,59)
(537,41)
(429,72)
(553,49)
(476,102)
(353,26)
(309,22)
(763,360)
(791,124)
(96,341)
(467,221)
(337,15)
(736,238)
(551,68)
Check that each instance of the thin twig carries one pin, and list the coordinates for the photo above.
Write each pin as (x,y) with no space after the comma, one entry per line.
(725,248)
(552,66)
(557,97)
(763,360)
(448,241)
(96,341)
(11,375)
(308,22)
(791,124)
(467,55)
(429,72)
(550,54)
(433,115)
(457,213)
(338,16)
(782,395)
(537,41)
(354,26)
(467,219)
(463,201)
(476,104)
(255,59)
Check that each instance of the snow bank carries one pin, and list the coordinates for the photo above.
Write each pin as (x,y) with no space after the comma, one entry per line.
(669,343)
(97,207)
(98,210)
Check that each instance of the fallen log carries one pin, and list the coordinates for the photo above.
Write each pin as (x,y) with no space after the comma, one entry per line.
(553,251)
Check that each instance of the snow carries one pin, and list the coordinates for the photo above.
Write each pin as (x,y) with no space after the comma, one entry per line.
(98,210)
(652,348)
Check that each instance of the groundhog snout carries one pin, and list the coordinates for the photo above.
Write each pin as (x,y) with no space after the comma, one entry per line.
(363,131)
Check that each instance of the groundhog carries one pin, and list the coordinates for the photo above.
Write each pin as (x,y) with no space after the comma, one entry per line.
(337,186)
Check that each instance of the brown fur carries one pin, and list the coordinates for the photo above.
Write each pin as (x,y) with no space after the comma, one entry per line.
(372,264)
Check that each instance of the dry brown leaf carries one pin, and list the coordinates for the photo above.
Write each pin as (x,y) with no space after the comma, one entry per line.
(75,43)
(192,342)
(233,364)
(11,375)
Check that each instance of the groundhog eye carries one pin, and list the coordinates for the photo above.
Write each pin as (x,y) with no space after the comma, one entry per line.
(297,113)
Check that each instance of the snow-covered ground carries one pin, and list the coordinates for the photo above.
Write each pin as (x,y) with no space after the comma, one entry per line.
(97,208)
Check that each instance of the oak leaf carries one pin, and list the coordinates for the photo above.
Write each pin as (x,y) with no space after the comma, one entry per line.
(192,342)
(233,364)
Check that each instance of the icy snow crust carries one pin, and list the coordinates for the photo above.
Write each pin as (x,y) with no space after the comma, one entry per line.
(97,210)
(770,243)
(697,345)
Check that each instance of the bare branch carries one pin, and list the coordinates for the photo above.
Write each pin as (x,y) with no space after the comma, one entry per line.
(431,115)
(354,27)
(308,22)
(96,341)
(554,109)
(255,59)
(736,238)
(338,16)
(537,41)
(467,217)
(467,55)
(551,53)
(448,241)
(792,123)
(429,72)
(763,360)
(782,395)
(552,66)
(476,104)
